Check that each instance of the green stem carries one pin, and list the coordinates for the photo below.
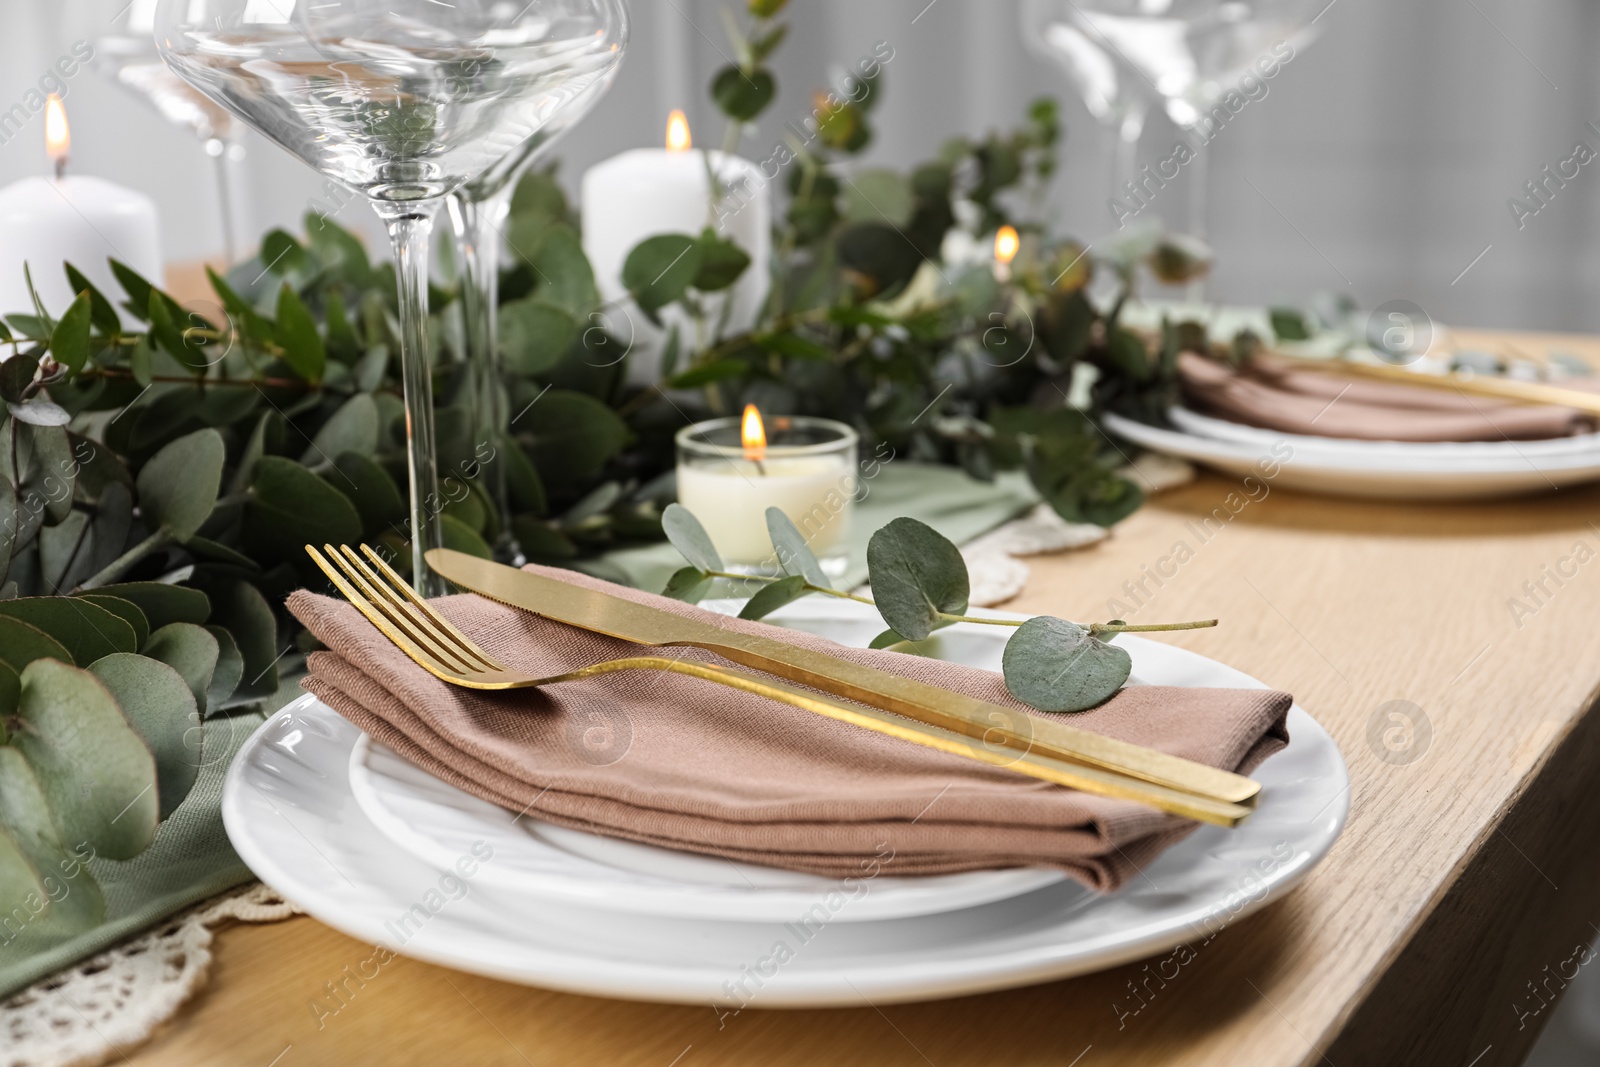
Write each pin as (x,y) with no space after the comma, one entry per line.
(1154,627)
(126,562)
(824,590)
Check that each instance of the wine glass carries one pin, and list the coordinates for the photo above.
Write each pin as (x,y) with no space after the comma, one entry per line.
(405,102)
(478,212)
(1195,55)
(1115,92)
(128,57)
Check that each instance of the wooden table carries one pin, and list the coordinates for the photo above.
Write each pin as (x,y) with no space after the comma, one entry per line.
(1468,870)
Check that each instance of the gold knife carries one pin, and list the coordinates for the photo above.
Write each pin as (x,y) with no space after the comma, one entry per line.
(994,726)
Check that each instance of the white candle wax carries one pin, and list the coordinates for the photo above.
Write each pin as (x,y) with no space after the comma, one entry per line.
(79,220)
(731,498)
(650,191)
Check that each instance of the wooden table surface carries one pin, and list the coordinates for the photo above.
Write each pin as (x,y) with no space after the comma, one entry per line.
(1466,877)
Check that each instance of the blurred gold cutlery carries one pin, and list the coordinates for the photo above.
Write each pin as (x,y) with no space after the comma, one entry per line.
(432,642)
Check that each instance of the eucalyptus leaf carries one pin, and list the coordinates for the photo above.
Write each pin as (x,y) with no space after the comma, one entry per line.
(57,469)
(1055,665)
(794,554)
(689,585)
(722,263)
(245,613)
(39,412)
(21,643)
(572,436)
(69,342)
(542,542)
(229,670)
(660,269)
(292,508)
(178,486)
(303,348)
(101,314)
(160,603)
(85,629)
(159,703)
(96,771)
(459,537)
(690,538)
(126,610)
(33,858)
(192,651)
(771,597)
(916,574)
(743,95)
(368,486)
(535,335)
(353,428)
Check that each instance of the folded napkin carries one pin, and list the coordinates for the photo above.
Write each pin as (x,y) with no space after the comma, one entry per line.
(687,764)
(1277,395)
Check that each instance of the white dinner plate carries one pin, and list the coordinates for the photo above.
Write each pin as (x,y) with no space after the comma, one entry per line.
(436,822)
(292,815)
(1384,471)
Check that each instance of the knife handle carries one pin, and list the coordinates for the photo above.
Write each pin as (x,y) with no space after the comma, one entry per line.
(997,729)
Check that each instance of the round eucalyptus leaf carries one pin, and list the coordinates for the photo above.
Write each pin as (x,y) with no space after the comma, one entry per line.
(660,269)
(722,263)
(916,574)
(127,611)
(370,488)
(353,428)
(534,335)
(40,413)
(240,607)
(52,451)
(190,650)
(96,771)
(690,538)
(21,643)
(689,585)
(33,859)
(161,603)
(229,670)
(178,486)
(794,554)
(87,630)
(541,541)
(769,599)
(742,96)
(291,508)
(158,702)
(1055,665)
(459,537)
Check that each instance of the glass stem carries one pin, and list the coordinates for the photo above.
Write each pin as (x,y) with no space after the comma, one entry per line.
(410,226)
(477,231)
(1199,206)
(1125,155)
(225,201)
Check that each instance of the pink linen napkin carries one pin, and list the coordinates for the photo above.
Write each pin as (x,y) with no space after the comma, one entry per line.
(686,764)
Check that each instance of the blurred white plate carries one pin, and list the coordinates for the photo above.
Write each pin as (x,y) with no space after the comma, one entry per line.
(1383,470)
(292,815)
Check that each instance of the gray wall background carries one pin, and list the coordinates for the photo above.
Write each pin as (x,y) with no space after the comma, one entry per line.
(1381,159)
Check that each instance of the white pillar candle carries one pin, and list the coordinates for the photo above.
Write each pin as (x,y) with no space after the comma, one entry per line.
(45,222)
(650,191)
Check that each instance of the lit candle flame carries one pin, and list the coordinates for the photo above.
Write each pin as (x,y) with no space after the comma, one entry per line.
(1006,243)
(678,139)
(754,435)
(57,136)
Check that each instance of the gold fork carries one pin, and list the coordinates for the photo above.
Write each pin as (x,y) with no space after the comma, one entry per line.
(430,640)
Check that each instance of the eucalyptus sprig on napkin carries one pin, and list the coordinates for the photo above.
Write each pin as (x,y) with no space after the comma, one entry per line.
(919,585)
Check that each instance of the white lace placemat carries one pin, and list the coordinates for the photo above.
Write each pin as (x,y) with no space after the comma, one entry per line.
(97,1010)
(998,574)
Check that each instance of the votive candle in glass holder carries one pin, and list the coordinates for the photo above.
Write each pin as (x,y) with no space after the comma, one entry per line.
(731,470)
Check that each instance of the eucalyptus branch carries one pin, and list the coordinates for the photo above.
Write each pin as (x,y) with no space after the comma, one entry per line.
(768,580)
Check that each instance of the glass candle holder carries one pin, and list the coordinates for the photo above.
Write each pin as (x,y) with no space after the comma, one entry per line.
(805,467)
